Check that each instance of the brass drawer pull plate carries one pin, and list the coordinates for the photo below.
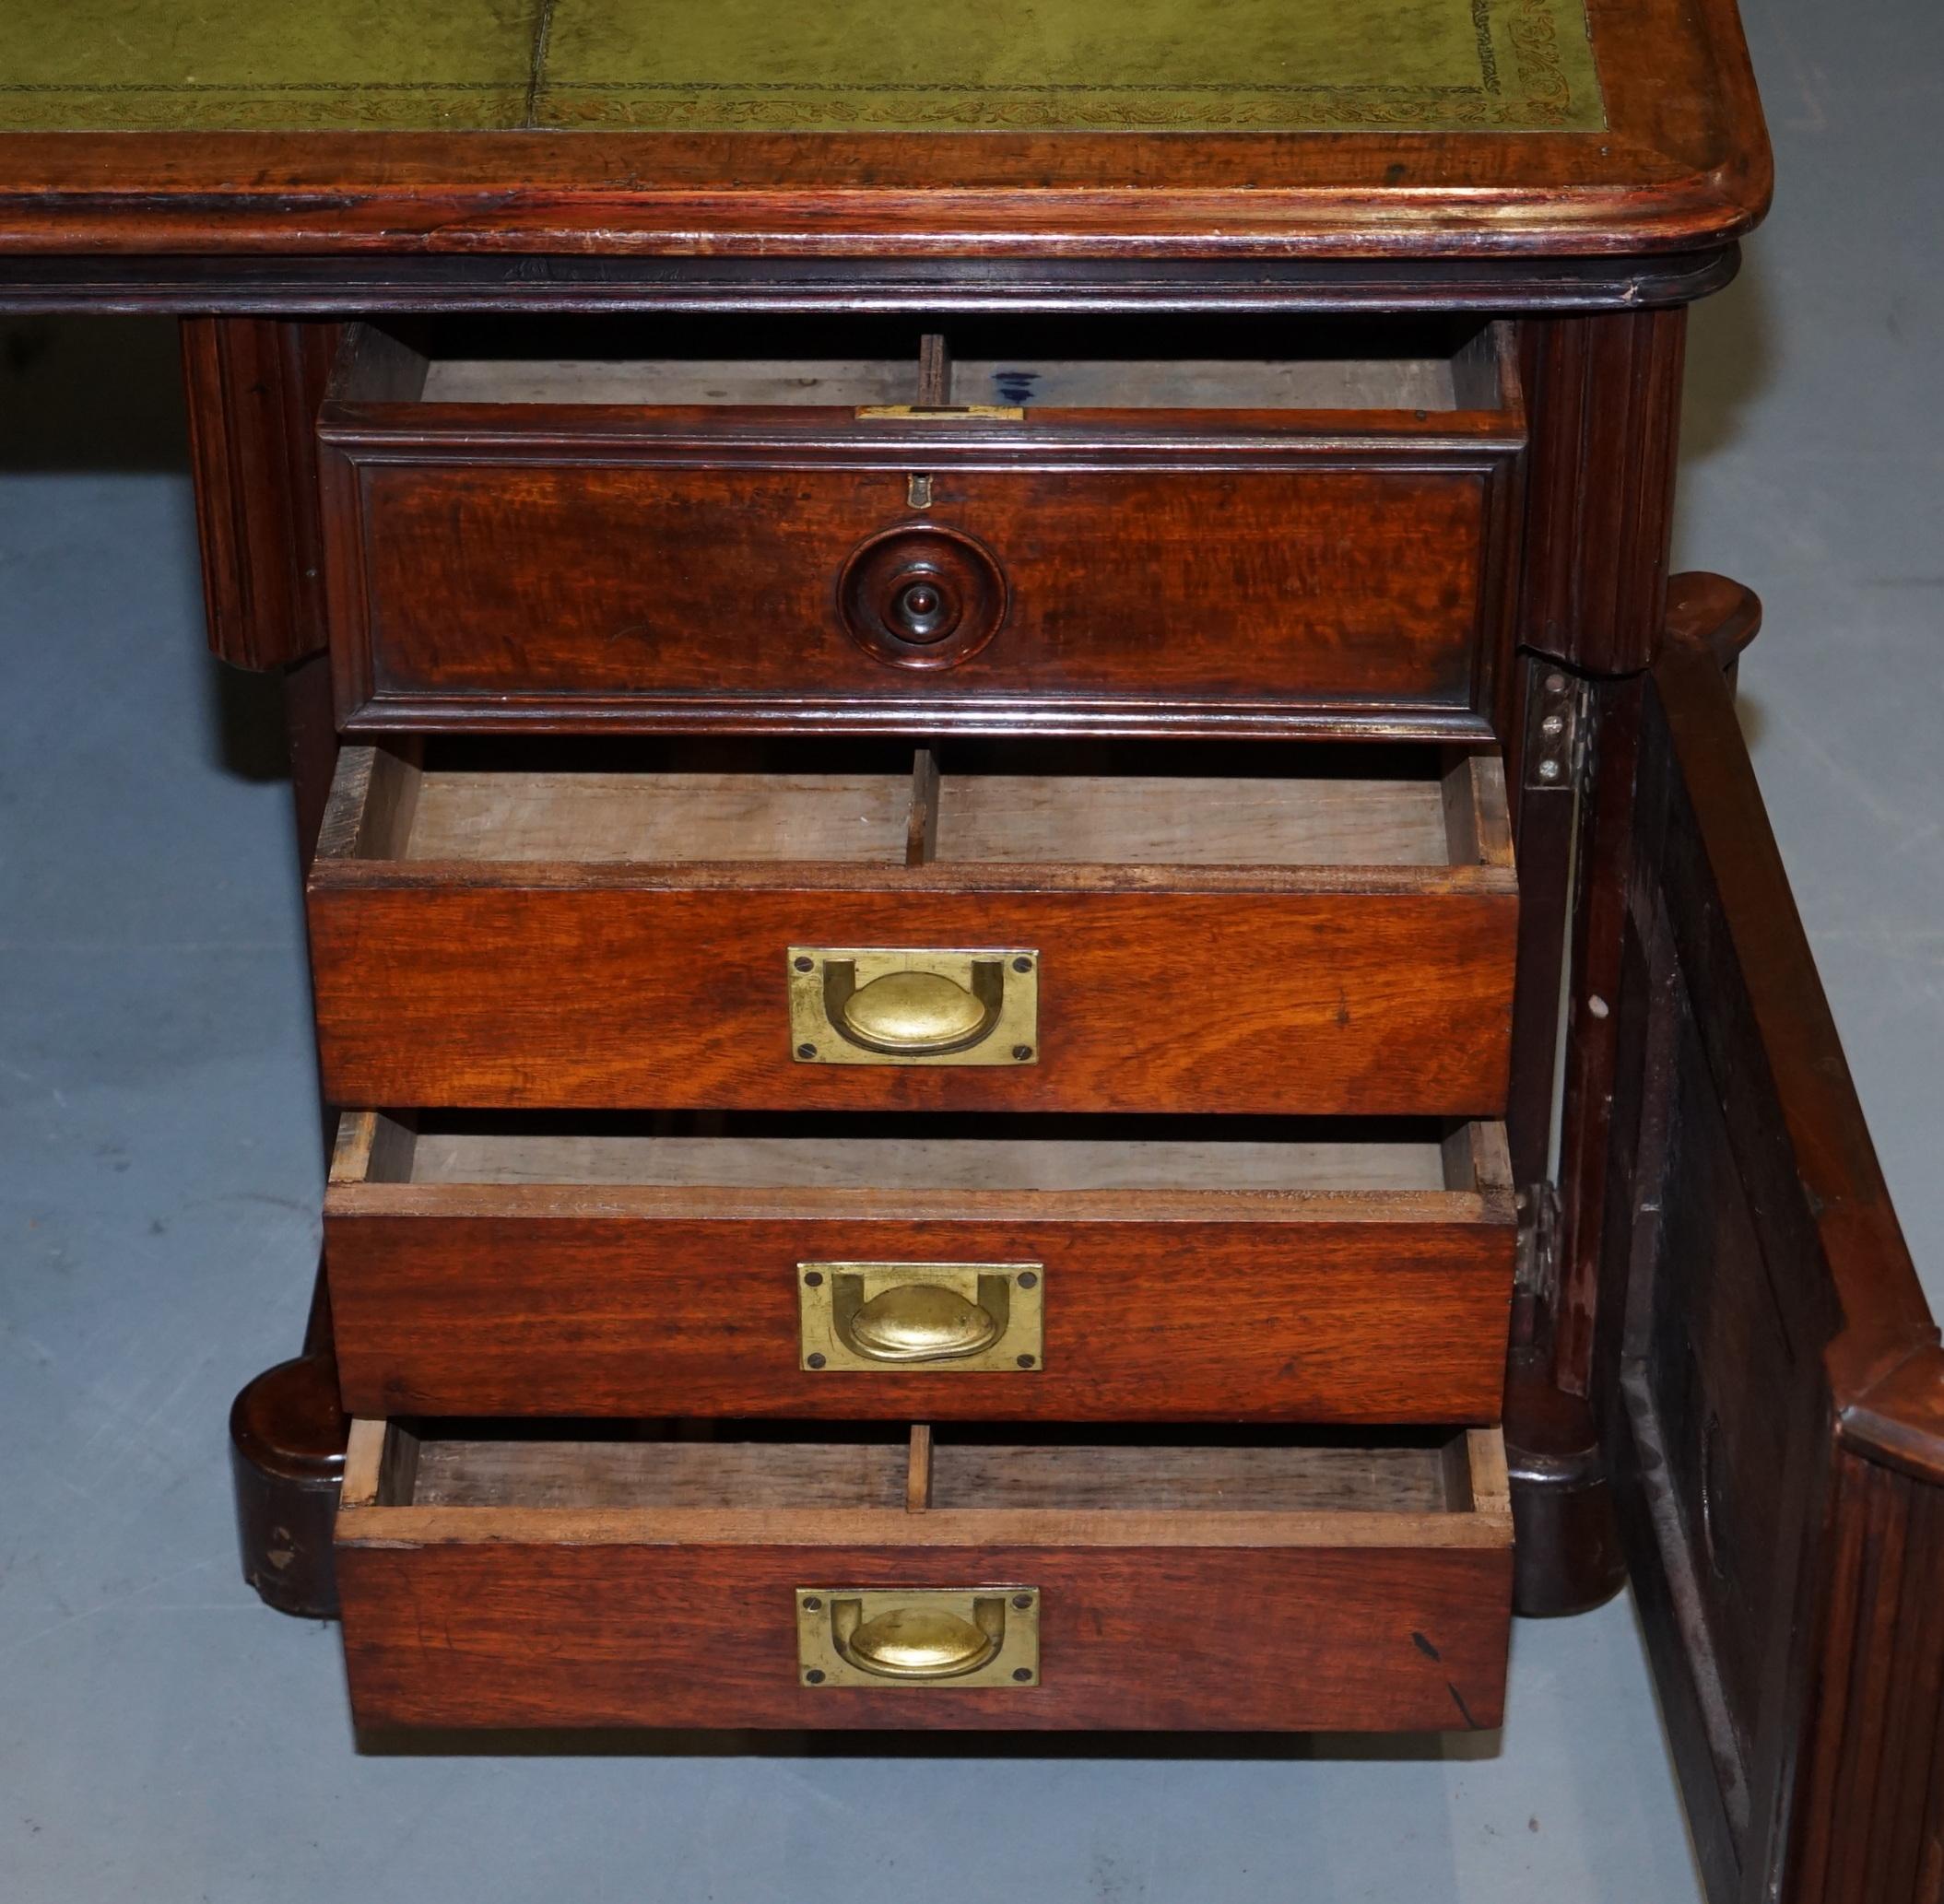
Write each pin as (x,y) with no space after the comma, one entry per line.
(940,413)
(943,1316)
(877,1005)
(918,1636)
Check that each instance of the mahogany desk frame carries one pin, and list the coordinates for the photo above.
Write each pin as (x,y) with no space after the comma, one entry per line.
(1812,1752)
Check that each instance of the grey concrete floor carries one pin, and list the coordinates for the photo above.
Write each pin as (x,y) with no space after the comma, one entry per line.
(163,1737)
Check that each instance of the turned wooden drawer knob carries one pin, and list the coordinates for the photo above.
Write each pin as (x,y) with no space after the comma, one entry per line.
(921,597)
(922,613)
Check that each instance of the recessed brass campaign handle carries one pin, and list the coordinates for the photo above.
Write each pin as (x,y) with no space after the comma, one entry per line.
(922,1317)
(914,1006)
(918,1636)
(919,1321)
(913,1013)
(921,1641)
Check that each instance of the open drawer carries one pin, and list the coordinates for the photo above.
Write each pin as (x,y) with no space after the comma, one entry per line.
(638,521)
(1322,932)
(1046,1269)
(1283,1583)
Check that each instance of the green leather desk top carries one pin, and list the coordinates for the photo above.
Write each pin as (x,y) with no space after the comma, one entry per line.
(816,66)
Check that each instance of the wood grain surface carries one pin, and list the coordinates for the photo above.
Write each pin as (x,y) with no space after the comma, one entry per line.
(455,988)
(1364,1615)
(549,579)
(492,1281)
(1303,990)
(1772,1388)
(511,1633)
(253,387)
(1606,395)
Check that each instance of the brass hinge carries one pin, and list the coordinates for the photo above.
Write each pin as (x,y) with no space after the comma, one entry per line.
(1557,728)
(1535,1267)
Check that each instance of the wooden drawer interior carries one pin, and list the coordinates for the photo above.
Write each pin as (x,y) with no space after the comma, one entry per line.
(1409,368)
(964,804)
(1289,1163)
(733,1479)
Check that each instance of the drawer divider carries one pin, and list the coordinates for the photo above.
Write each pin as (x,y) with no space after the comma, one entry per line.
(935,369)
(1478,819)
(918,1474)
(921,845)
(1489,1481)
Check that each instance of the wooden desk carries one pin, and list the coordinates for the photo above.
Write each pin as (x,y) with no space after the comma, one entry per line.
(418,270)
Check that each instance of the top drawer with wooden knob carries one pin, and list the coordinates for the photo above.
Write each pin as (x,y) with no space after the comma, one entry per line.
(633,524)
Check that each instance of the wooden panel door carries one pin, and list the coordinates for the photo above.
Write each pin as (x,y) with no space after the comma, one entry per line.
(1771,1386)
